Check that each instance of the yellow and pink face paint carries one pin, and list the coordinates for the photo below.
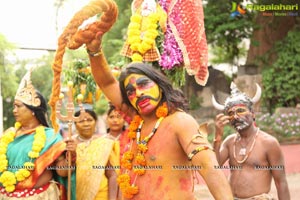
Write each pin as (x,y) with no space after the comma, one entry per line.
(143,93)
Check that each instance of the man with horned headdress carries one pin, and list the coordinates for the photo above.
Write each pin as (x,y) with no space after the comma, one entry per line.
(254,156)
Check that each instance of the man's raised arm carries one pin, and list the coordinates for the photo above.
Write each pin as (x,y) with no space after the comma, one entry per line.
(102,72)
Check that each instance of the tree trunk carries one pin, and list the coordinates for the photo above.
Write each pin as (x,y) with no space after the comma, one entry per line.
(271,29)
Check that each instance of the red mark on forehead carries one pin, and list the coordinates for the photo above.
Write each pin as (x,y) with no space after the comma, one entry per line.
(132,80)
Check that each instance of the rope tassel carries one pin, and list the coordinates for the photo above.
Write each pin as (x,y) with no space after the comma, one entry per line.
(73,38)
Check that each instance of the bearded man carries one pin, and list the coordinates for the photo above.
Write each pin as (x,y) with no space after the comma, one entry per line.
(254,156)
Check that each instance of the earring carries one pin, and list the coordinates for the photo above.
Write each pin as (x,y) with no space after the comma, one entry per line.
(33,114)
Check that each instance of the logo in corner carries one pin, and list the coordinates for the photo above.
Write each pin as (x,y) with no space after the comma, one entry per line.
(237,10)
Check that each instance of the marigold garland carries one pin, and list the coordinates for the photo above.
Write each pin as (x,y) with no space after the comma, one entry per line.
(142,148)
(9,179)
(140,38)
(133,126)
(128,188)
(162,111)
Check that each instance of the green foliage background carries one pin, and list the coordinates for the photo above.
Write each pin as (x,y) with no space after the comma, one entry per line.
(281,79)
(224,33)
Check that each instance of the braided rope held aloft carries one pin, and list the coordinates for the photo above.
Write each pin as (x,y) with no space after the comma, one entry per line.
(73,38)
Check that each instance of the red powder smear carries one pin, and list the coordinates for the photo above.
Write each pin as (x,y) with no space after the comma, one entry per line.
(167,189)
(132,80)
(159,181)
(185,184)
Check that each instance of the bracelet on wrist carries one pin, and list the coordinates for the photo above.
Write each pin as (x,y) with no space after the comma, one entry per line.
(94,54)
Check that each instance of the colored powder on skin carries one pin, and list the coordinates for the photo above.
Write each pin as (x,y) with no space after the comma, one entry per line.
(185,184)
(159,181)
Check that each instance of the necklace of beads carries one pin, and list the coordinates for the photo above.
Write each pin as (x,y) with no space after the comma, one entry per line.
(128,188)
(250,150)
(9,179)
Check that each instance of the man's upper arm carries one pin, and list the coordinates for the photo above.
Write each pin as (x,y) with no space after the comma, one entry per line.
(276,160)
(105,79)
(224,151)
(113,93)
(191,136)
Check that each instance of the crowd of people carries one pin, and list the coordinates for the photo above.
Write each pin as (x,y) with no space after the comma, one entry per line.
(155,156)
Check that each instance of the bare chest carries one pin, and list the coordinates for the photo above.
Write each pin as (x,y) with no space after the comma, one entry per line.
(162,147)
(251,155)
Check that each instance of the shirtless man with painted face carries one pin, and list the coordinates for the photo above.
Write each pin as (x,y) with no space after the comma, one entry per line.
(175,146)
(254,156)
(167,145)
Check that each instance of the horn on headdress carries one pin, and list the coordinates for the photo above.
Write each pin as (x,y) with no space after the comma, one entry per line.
(216,104)
(26,92)
(257,95)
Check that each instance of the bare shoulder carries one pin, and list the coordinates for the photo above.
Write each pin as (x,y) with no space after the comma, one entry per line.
(183,124)
(181,119)
(183,115)
(229,139)
(267,138)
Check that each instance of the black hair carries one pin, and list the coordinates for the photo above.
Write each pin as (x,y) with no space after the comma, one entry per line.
(91,112)
(40,111)
(111,108)
(173,97)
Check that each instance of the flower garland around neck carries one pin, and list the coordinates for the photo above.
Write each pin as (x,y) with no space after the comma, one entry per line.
(142,31)
(9,179)
(128,188)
